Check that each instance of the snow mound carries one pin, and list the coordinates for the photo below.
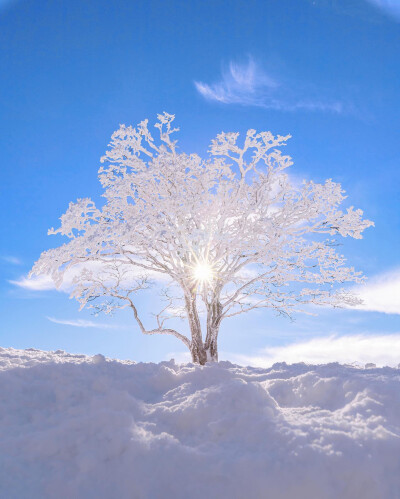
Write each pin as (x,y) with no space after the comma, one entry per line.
(91,427)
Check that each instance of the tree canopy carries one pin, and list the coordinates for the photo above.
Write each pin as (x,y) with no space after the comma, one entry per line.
(224,235)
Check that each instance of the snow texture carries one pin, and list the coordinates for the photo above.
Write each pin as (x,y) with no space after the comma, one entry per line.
(90,427)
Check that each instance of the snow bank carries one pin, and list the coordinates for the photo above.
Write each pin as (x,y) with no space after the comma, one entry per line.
(73,426)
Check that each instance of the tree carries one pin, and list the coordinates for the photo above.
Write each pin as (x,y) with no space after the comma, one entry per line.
(224,235)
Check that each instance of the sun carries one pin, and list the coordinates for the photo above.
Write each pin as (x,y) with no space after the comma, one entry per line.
(203,272)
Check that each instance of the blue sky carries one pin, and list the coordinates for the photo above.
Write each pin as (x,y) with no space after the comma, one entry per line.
(326,72)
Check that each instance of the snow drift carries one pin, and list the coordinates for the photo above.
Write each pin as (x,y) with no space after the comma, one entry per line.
(90,427)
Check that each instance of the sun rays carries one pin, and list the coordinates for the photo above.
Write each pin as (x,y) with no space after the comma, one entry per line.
(203,272)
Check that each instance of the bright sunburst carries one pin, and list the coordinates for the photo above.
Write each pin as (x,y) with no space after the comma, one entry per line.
(203,272)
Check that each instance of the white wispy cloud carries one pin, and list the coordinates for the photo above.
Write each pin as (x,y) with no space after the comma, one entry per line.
(240,83)
(81,323)
(391,7)
(46,283)
(381,293)
(37,283)
(12,259)
(249,85)
(362,348)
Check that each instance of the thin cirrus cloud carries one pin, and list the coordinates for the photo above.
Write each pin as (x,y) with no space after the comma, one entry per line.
(40,283)
(391,7)
(12,259)
(45,282)
(382,350)
(81,323)
(247,84)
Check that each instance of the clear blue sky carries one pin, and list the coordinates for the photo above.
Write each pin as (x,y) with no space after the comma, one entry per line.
(325,71)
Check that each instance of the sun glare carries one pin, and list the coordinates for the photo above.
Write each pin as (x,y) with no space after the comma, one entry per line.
(203,272)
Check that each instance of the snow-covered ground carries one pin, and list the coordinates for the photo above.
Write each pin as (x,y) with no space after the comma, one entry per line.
(73,426)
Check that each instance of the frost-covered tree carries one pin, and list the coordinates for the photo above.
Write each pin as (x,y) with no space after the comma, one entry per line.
(222,236)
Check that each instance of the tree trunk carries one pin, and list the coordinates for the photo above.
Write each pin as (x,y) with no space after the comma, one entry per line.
(199,355)
(213,323)
(207,351)
(211,349)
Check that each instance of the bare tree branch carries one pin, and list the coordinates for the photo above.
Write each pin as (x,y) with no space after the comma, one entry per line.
(230,232)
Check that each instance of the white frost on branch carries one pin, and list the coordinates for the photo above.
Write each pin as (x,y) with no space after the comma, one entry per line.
(229,233)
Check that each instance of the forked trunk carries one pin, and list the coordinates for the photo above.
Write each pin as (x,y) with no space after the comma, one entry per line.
(197,349)
(202,353)
(199,354)
(207,351)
